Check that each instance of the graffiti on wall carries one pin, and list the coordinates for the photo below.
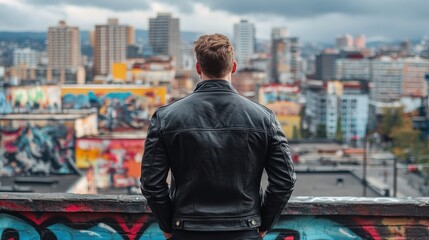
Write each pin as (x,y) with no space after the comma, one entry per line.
(282,100)
(116,161)
(119,108)
(270,93)
(36,148)
(75,225)
(34,98)
(5,106)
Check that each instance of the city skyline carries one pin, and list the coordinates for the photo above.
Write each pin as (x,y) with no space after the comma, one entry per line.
(378,20)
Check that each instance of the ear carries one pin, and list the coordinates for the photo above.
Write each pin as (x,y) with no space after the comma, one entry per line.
(234,67)
(198,67)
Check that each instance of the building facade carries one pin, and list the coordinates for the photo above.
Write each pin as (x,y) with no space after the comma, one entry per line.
(353,69)
(325,65)
(245,42)
(110,45)
(164,37)
(64,46)
(26,56)
(339,109)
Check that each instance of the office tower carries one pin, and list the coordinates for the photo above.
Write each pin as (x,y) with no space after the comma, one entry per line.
(280,56)
(325,64)
(360,42)
(245,42)
(296,63)
(344,42)
(63,46)
(110,45)
(164,36)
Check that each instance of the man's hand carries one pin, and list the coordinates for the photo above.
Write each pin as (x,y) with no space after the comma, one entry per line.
(262,234)
(167,235)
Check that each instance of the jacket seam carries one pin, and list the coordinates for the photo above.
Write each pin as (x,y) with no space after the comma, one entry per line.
(242,166)
(216,129)
(198,217)
(151,162)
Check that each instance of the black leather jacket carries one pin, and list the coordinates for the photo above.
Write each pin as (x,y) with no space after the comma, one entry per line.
(216,144)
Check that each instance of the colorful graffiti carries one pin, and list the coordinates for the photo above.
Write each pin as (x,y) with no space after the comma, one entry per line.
(5,106)
(277,92)
(30,148)
(79,225)
(282,99)
(116,161)
(119,108)
(34,98)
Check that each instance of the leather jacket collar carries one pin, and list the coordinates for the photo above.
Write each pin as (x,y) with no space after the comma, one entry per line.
(215,86)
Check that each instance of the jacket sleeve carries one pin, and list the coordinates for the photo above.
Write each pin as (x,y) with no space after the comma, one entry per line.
(281,177)
(155,167)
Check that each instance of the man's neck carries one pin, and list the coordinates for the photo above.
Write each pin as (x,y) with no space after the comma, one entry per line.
(227,77)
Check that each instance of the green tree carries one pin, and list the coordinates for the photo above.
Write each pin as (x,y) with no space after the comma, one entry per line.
(392,118)
(295,134)
(339,131)
(321,131)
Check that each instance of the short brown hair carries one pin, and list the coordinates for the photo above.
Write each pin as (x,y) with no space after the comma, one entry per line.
(215,54)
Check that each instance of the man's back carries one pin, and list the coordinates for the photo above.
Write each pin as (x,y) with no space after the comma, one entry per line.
(217,144)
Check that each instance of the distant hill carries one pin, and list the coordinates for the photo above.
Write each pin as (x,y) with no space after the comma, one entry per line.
(19,36)
(141,36)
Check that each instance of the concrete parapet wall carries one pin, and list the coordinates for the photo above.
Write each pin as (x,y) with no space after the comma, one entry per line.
(68,216)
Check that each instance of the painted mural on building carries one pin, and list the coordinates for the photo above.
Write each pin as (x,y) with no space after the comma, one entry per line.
(36,147)
(116,161)
(34,98)
(76,225)
(283,100)
(5,106)
(270,93)
(120,108)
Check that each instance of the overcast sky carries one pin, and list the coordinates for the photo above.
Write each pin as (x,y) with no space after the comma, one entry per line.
(311,20)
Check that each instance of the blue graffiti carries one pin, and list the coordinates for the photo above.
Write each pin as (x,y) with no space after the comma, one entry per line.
(299,227)
(115,109)
(25,230)
(153,233)
(5,106)
(101,231)
(310,228)
(35,150)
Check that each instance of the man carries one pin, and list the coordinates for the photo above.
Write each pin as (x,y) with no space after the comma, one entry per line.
(217,144)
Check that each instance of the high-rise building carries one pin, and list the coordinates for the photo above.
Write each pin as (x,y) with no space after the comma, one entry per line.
(296,64)
(110,45)
(63,46)
(280,69)
(360,42)
(344,42)
(325,64)
(164,36)
(245,42)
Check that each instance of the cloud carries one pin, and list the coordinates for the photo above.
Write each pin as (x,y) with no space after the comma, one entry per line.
(103,4)
(311,20)
(314,8)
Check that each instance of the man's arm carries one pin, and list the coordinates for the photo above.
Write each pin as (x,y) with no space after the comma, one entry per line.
(281,177)
(154,173)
